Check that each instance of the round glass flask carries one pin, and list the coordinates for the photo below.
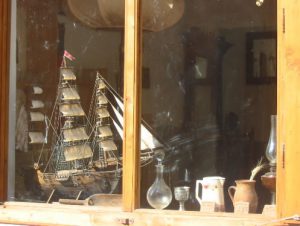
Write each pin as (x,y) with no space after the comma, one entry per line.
(159,195)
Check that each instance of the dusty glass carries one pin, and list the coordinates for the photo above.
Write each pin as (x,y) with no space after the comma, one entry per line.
(208,91)
(65,84)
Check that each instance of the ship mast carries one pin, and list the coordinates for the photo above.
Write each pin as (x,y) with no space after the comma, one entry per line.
(105,149)
(70,143)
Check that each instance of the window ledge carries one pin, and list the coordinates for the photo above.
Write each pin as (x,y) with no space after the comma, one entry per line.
(57,214)
(199,218)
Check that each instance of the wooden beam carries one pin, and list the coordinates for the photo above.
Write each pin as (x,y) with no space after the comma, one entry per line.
(280,113)
(132,101)
(288,149)
(4,82)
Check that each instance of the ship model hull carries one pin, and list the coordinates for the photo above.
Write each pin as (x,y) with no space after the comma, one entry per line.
(89,182)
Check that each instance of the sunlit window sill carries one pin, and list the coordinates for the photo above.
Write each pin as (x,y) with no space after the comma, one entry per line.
(57,214)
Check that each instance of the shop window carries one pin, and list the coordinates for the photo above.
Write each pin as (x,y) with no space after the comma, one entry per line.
(68,73)
(208,93)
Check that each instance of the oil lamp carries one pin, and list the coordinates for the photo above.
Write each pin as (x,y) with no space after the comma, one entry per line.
(269,179)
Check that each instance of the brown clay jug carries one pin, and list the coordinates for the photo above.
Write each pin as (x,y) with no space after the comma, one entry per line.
(244,191)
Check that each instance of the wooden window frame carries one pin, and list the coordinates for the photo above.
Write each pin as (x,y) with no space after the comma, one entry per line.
(288,13)
(4,83)
(132,105)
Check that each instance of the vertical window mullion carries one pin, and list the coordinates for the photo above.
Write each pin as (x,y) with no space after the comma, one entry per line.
(132,102)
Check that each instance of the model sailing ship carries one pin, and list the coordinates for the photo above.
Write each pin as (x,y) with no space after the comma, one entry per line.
(78,151)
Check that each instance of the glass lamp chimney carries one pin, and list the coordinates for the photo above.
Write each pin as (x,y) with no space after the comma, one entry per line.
(271,148)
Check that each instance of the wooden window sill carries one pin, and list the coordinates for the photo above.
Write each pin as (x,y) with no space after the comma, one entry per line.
(174,217)
(57,214)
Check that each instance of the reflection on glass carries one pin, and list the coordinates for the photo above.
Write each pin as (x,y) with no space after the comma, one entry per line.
(157,15)
(212,119)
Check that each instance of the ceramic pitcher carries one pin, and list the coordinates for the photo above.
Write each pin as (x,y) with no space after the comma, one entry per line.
(212,191)
(244,191)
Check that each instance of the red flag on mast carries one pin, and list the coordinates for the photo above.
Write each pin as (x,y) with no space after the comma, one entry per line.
(69,56)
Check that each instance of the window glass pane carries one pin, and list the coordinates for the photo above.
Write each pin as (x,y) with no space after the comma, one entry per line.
(67,74)
(208,93)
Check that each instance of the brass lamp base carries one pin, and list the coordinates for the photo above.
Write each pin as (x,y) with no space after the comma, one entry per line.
(269,181)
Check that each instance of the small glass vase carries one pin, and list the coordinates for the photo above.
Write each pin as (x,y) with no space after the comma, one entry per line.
(159,195)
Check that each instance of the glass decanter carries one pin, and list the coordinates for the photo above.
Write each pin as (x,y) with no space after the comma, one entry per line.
(159,195)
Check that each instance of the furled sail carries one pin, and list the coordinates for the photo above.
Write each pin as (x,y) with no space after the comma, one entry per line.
(37,90)
(104,131)
(77,152)
(70,110)
(67,74)
(101,85)
(75,134)
(108,145)
(102,113)
(37,104)
(37,117)
(102,100)
(36,138)
(70,94)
